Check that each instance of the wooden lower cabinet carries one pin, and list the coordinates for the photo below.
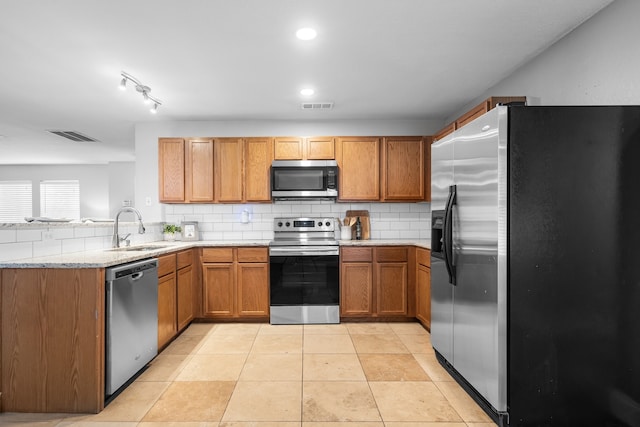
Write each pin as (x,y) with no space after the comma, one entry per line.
(376,282)
(356,290)
(184,291)
(52,340)
(423,287)
(167,323)
(235,282)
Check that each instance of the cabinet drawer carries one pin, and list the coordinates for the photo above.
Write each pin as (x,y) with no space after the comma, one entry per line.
(253,255)
(166,264)
(357,254)
(423,256)
(217,255)
(185,259)
(391,254)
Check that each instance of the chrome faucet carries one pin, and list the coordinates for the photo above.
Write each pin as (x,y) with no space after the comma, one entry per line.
(116,238)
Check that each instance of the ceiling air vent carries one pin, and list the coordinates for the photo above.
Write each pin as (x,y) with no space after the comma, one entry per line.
(73,136)
(317,105)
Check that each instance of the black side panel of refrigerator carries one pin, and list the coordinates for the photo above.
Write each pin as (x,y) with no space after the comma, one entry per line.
(574,266)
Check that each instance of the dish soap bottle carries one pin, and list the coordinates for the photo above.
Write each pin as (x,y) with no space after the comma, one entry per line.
(358,229)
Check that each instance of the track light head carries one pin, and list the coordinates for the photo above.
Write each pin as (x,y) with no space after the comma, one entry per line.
(140,88)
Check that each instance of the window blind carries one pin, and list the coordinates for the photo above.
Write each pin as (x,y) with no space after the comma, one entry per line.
(60,199)
(15,201)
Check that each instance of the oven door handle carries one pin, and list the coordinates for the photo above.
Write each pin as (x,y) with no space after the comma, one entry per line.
(308,251)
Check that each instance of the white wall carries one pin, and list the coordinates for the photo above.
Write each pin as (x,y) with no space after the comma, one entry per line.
(121,185)
(596,64)
(94,184)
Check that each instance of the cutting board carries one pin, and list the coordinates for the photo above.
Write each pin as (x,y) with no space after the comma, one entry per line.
(352,217)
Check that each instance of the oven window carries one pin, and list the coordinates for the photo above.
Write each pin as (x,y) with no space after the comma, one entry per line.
(311,179)
(304,280)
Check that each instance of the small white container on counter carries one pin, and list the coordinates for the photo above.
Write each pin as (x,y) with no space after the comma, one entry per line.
(345,232)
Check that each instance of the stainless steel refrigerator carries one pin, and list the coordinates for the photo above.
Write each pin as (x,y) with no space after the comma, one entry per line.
(535,265)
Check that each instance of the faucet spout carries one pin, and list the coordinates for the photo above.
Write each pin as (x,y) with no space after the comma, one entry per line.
(116,238)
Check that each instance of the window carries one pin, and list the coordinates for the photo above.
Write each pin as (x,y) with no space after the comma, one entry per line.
(60,199)
(15,201)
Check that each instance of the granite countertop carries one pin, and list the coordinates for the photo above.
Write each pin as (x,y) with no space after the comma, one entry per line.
(110,257)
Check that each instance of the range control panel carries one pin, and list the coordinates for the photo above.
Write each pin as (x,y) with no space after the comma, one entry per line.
(304,224)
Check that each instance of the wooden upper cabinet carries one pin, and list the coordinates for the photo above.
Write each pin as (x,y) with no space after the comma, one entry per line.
(485,106)
(312,148)
(171,169)
(403,169)
(185,170)
(444,131)
(288,148)
(199,170)
(359,162)
(258,155)
(228,169)
(320,148)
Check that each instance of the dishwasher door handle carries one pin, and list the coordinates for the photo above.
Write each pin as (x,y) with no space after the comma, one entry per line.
(137,276)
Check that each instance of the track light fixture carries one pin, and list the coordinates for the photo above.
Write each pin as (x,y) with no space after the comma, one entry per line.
(144,90)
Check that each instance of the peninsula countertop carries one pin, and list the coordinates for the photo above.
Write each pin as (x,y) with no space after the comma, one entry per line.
(109,257)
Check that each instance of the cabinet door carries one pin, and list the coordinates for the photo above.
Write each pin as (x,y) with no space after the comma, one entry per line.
(403,169)
(258,157)
(185,297)
(167,327)
(356,285)
(219,282)
(391,288)
(228,161)
(199,170)
(320,148)
(423,295)
(288,148)
(171,169)
(253,289)
(444,131)
(359,162)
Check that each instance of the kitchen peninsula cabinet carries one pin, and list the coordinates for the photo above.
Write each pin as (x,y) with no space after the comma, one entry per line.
(423,287)
(359,161)
(404,169)
(52,341)
(312,148)
(235,283)
(376,282)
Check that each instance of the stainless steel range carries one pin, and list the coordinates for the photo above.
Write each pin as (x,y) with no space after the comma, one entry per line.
(304,270)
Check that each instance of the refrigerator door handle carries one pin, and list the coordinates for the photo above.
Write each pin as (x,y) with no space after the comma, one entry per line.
(447,241)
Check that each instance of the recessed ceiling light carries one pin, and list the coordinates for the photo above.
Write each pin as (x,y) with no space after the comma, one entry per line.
(307,92)
(306,34)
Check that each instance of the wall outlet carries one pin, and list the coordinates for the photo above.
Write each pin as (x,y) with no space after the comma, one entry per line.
(47,235)
(147,201)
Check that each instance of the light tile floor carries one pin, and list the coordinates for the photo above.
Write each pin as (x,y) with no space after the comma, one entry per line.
(260,375)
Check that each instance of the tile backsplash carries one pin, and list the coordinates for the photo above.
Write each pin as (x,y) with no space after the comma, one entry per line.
(225,222)
(215,222)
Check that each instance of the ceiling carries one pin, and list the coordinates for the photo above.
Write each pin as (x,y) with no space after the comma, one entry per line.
(240,60)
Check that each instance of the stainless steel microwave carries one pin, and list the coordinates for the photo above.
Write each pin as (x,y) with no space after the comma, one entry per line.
(304,180)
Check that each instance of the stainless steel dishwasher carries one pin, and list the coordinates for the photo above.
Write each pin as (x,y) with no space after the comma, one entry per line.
(131,321)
